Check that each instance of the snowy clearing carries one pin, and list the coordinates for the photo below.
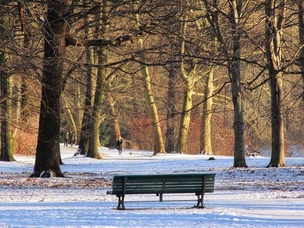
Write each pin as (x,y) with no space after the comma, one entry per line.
(252,197)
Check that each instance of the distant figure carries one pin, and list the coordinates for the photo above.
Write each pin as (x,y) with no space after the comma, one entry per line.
(119,144)
(66,137)
(71,138)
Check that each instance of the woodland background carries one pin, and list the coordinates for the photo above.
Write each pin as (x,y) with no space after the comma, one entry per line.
(170,47)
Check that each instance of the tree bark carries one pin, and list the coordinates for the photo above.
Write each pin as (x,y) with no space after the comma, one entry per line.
(48,151)
(113,119)
(188,83)
(182,141)
(236,85)
(275,20)
(98,99)
(301,39)
(5,92)
(158,143)
(205,140)
(171,101)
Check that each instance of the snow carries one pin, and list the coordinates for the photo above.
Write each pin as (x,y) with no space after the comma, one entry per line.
(252,197)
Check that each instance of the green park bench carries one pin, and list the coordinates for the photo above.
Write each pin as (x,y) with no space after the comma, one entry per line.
(159,184)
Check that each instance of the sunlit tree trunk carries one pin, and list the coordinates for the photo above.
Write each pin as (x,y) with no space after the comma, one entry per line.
(233,57)
(188,83)
(301,39)
(234,68)
(113,119)
(5,91)
(6,113)
(158,143)
(98,99)
(275,19)
(182,141)
(205,140)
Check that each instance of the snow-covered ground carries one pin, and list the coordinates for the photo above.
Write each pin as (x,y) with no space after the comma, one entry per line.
(252,197)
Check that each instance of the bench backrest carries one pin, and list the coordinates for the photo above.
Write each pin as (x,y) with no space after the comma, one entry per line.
(163,183)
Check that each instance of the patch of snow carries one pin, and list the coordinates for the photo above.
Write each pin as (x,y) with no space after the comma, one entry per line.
(243,197)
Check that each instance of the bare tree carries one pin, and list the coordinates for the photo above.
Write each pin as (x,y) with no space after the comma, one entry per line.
(233,56)
(275,20)
(48,152)
(6,153)
(301,38)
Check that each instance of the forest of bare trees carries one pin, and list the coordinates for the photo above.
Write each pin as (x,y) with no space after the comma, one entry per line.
(217,77)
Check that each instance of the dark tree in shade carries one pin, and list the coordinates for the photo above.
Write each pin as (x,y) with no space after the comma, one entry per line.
(48,151)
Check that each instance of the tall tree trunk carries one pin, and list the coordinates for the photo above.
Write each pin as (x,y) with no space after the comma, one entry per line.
(84,137)
(5,92)
(236,85)
(158,143)
(48,151)
(102,57)
(205,140)
(301,39)
(98,99)
(188,83)
(233,70)
(275,19)
(171,102)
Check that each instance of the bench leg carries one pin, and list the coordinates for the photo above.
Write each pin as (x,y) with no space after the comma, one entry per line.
(200,200)
(160,197)
(121,203)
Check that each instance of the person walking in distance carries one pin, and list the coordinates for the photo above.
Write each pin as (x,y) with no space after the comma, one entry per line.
(119,144)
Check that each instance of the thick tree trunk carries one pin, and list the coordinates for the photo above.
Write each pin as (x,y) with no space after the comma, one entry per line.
(6,113)
(48,151)
(98,99)
(273,34)
(238,124)
(236,86)
(84,137)
(171,110)
(234,72)
(205,140)
(301,39)
(5,92)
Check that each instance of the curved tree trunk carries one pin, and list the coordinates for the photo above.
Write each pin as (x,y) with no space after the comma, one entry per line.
(48,151)
(158,142)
